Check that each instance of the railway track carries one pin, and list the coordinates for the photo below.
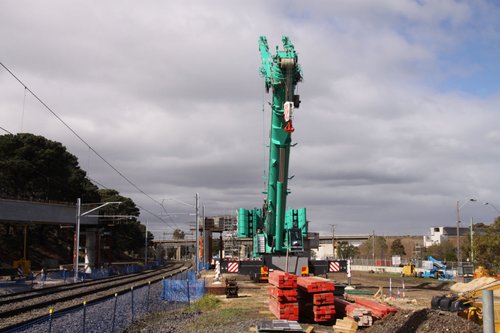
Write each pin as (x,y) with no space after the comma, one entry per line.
(21,308)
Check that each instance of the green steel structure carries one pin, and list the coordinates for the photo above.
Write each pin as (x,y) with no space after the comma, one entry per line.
(275,229)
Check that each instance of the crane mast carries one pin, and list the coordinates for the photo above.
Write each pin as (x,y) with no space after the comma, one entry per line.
(274,228)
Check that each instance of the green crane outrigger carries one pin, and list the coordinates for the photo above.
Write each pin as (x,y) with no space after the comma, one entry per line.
(276,230)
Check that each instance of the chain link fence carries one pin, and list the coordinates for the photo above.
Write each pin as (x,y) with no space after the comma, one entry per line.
(117,313)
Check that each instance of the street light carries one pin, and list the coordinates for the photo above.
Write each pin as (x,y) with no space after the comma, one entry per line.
(196,206)
(459,257)
(492,205)
(79,215)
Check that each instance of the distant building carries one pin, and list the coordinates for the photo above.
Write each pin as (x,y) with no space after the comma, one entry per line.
(440,234)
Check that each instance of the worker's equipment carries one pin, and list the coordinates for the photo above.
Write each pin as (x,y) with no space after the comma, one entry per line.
(231,288)
(409,270)
(274,229)
(436,270)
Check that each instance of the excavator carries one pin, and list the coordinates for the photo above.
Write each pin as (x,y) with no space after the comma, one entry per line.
(277,231)
(468,304)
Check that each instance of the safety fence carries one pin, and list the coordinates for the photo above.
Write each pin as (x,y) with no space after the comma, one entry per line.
(387,262)
(117,313)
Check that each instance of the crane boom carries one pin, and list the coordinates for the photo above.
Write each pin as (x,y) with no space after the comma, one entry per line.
(276,230)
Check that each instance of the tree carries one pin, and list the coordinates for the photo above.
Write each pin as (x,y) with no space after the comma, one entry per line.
(178,234)
(487,247)
(33,167)
(366,248)
(346,250)
(446,251)
(397,248)
(128,233)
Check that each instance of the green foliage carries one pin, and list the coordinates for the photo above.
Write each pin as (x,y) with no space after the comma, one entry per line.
(178,234)
(366,248)
(397,248)
(128,233)
(346,250)
(487,247)
(33,167)
(446,251)
(206,303)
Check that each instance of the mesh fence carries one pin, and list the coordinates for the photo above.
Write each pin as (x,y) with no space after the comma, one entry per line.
(117,313)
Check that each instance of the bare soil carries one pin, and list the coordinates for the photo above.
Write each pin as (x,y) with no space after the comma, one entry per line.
(241,314)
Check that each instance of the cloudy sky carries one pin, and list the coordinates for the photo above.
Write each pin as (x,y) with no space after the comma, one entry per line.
(399,117)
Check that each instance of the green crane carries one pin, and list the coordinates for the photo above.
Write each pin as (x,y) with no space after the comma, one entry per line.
(274,228)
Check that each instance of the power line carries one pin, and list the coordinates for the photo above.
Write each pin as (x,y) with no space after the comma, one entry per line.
(5,130)
(79,137)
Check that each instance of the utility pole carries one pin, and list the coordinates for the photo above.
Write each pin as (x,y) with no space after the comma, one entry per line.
(77,238)
(459,257)
(79,215)
(204,236)
(334,253)
(373,247)
(471,241)
(146,245)
(197,231)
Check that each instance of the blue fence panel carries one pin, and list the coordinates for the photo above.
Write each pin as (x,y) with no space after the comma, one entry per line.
(191,275)
(182,290)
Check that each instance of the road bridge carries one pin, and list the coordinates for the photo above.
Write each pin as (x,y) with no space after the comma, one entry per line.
(344,238)
(34,212)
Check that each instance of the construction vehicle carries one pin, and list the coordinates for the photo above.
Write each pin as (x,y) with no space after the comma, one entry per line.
(437,270)
(409,270)
(467,304)
(275,230)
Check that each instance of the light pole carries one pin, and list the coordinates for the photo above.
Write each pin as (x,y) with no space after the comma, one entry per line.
(471,241)
(146,245)
(334,256)
(197,198)
(492,205)
(204,236)
(79,215)
(459,257)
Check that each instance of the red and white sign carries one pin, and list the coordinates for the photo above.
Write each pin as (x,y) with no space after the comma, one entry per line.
(334,266)
(232,267)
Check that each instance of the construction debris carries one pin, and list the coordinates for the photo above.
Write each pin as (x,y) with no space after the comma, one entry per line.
(346,325)
(358,313)
(378,310)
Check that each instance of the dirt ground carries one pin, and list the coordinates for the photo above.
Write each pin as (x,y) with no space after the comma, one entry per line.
(415,314)
(417,293)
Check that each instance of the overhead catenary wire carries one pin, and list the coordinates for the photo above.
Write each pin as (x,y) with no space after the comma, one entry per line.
(27,89)
(3,129)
